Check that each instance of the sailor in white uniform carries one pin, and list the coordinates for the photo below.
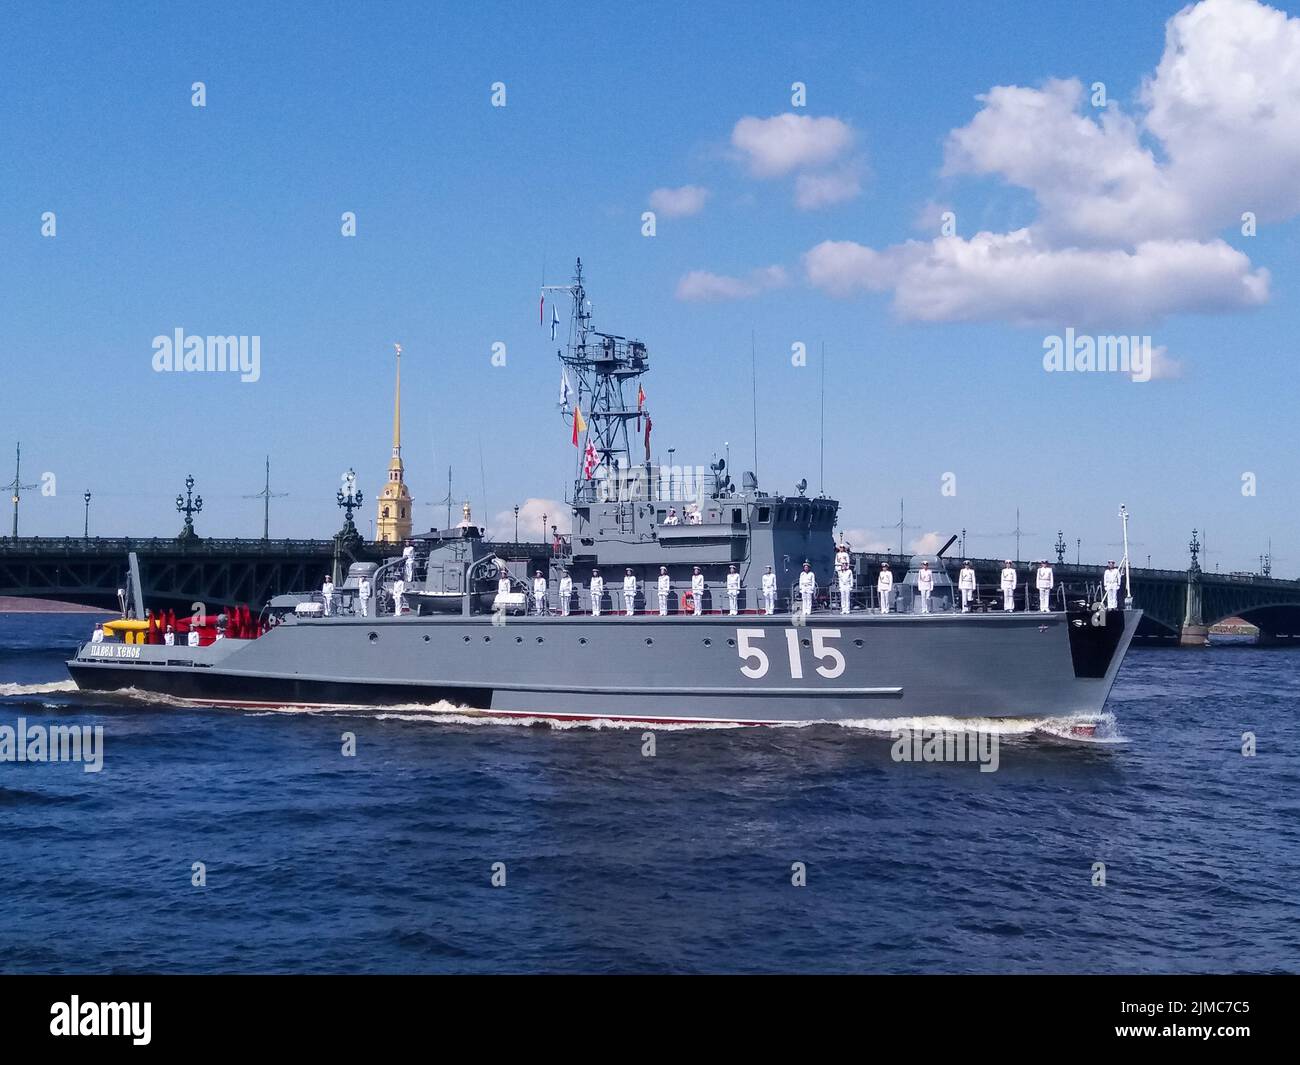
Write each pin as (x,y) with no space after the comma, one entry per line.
(539,593)
(925,585)
(629,592)
(399,590)
(769,592)
(363,596)
(408,563)
(1008,587)
(327,594)
(597,592)
(566,593)
(169,637)
(98,635)
(842,556)
(193,638)
(845,576)
(733,590)
(672,518)
(665,590)
(697,591)
(1044,582)
(1110,584)
(966,585)
(807,588)
(694,517)
(885,587)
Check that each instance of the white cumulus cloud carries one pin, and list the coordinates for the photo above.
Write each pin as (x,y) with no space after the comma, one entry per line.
(679,202)
(812,191)
(530,519)
(701,286)
(783,143)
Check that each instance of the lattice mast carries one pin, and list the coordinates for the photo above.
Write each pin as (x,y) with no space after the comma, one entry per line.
(598,366)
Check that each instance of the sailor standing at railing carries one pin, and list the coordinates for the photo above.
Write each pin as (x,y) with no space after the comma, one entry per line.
(566,593)
(597,592)
(842,556)
(399,590)
(885,587)
(733,590)
(1044,581)
(363,596)
(845,577)
(408,563)
(672,518)
(169,637)
(697,591)
(966,585)
(1110,584)
(629,592)
(539,593)
(665,590)
(98,635)
(807,588)
(1008,587)
(769,592)
(327,594)
(925,585)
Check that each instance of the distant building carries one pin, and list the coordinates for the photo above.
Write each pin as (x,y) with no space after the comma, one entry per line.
(393,517)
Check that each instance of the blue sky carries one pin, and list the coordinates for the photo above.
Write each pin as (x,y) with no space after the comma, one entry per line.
(226,220)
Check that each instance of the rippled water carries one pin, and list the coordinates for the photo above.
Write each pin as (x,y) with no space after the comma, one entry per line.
(681,862)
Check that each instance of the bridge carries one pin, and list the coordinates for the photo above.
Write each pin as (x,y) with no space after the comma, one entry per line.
(176,572)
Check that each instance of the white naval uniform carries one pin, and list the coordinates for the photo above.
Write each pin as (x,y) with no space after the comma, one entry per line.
(97,636)
(399,590)
(842,560)
(597,593)
(1008,588)
(566,594)
(1044,582)
(408,558)
(925,585)
(169,639)
(885,589)
(846,590)
(697,592)
(665,589)
(363,597)
(629,595)
(327,593)
(807,586)
(193,639)
(1110,582)
(539,595)
(769,593)
(966,584)
(733,592)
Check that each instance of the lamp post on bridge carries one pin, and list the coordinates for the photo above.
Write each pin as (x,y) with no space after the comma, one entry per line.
(1195,633)
(1060,548)
(189,505)
(349,500)
(85,532)
(516,523)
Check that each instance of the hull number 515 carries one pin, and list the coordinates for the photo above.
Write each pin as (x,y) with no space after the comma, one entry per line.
(757,664)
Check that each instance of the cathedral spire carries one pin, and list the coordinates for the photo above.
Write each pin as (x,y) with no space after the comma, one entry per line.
(393,520)
(397,407)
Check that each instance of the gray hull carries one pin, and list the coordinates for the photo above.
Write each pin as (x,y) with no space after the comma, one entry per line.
(750,668)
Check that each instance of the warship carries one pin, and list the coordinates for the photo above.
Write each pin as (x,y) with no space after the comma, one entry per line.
(451,624)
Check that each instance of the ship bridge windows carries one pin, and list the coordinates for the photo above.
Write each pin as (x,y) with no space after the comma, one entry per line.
(737,516)
(764,515)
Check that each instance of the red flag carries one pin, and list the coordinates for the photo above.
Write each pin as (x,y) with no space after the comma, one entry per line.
(579,426)
(648,424)
(640,397)
(589,460)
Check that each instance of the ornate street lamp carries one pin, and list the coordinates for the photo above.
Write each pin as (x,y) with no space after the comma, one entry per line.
(85,533)
(349,500)
(189,505)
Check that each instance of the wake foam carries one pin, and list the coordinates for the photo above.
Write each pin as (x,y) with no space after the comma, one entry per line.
(12,690)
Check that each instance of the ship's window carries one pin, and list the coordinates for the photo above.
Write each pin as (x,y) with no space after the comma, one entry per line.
(764,515)
(649,641)
(708,642)
(731,642)
(737,516)
(487,639)
(582,640)
(519,639)
(857,643)
(541,639)
(426,639)
(805,643)
(372,636)
(465,638)
(660,515)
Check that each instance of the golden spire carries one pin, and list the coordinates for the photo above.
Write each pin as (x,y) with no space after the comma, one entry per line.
(397,406)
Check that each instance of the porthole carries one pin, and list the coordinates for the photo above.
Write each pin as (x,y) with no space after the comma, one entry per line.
(426,638)
(857,643)
(372,636)
(731,642)
(649,640)
(806,643)
(541,639)
(582,639)
(465,638)
(519,639)
(708,642)
(487,639)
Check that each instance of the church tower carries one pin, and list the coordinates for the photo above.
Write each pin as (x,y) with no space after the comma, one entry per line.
(393,520)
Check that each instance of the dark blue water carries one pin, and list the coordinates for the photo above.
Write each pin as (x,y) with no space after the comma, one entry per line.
(681,862)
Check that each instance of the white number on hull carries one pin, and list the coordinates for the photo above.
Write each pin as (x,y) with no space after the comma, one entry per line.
(757,663)
(743,636)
